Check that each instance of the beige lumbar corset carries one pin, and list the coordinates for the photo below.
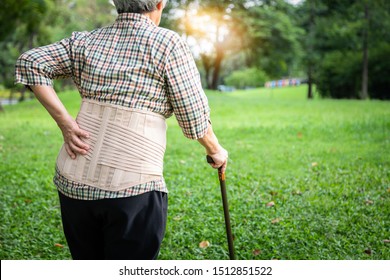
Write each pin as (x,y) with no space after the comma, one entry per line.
(127,147)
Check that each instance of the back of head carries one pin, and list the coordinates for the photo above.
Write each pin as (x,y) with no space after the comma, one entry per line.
(137,6)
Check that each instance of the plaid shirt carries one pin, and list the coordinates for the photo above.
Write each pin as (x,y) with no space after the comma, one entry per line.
(132,63)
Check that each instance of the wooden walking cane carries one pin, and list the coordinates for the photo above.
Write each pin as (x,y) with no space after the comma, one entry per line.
(221,176)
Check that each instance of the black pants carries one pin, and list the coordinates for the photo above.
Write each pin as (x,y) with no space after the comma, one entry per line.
(115,229)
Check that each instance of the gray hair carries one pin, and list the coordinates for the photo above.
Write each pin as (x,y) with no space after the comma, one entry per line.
(137,6)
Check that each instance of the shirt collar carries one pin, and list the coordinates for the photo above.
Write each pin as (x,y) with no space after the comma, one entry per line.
(134,17)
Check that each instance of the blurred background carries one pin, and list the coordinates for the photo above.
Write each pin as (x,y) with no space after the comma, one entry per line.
(341,49)
(307,179)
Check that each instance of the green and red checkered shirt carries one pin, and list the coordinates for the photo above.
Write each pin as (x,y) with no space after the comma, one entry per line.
(131,63)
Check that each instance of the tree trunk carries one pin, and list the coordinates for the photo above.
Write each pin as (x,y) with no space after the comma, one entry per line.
(207,73)
(364,92)
(206,61)
(11,94)
(30,46)
(22,94)
(311,50)
(31,40)
(310,83)
(217,69)
(218,60)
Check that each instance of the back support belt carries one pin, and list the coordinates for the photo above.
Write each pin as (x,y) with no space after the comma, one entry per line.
(127,147)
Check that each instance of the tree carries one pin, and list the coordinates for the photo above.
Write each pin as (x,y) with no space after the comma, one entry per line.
(364,91)
(21,23)
(211,24)
(30,23)
(264,31)
(345,33)
(272,38)
(308,14)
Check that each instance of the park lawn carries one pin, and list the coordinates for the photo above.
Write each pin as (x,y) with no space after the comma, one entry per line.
(323,163)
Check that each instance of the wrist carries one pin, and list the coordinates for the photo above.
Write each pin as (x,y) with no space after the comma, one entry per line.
(212,150)
(62,119)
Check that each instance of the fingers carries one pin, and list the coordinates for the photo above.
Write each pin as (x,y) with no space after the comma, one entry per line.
(223,167)
(75,145)
(76,139)
(72,149)
(82,133)
(220,160)
(69,151)
(73,138)
(76,148)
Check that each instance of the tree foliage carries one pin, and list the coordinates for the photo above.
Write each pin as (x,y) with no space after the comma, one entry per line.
(30,23)
(346,41)
(272,38)
(21,28)
(341,46)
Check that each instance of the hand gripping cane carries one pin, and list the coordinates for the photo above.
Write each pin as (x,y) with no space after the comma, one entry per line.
(225,209)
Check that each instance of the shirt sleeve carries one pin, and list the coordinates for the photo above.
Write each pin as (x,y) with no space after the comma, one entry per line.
(39,66)
(185,92)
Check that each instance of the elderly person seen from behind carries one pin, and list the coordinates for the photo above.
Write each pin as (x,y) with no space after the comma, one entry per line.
(131,75)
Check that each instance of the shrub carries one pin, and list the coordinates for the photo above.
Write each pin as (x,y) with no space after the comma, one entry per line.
(249,77)
(379,72)
(339,75)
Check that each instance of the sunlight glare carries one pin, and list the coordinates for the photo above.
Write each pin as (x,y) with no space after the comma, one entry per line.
(207,32)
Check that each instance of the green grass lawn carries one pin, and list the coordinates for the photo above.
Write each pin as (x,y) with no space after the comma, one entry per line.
(324,164)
